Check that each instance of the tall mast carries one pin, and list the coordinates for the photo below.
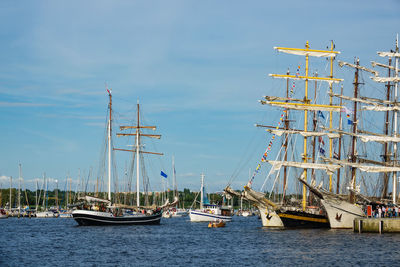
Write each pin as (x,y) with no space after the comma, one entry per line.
(305,130)
(330,114)
(109,145)
(386,132)
(137,157)
(36,196)
(396,72)
(137,150)
(354,138)
(174,177)
(44,192)
(19,191)
(286,141)
(10,193)
(202,191)
(340,145)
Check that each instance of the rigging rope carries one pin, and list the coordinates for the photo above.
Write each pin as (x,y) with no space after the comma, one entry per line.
(265,155)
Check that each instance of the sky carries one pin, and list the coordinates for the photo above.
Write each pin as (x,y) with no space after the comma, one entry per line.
(198,69)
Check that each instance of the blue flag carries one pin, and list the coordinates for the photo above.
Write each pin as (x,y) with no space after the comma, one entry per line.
(320,114)
(163,174)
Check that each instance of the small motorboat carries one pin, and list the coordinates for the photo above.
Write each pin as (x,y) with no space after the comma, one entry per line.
(216,224)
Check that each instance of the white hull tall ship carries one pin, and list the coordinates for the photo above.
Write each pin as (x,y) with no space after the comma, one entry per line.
(341,213)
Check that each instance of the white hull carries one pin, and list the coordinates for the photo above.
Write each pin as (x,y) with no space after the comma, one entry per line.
(201,216)
(46,214)
(341,213)
(3,216)
(269,218)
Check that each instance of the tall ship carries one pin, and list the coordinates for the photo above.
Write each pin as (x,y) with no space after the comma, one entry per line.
(342,209)
(309,213)
(111,211)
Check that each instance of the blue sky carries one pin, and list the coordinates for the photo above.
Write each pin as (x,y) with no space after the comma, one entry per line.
(197,67)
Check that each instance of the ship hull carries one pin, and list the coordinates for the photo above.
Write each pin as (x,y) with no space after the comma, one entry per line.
(87,218)
(341,213)
(269,218)
(200,216)
(300,219)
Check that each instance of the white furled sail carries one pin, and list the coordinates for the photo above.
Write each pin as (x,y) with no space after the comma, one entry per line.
(303,133)
(389,54)
(312,78)
(307,52)
(328,168)
(299,106)
(386,79)
(380,108)
(364,168)
(381,138)
(342,63)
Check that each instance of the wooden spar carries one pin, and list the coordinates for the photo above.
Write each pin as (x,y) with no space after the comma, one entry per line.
(134,134)
(144,152)
(386,131)
(137,127)
(335,80)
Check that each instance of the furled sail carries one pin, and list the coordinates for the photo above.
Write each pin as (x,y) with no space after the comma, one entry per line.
(342,63)
(381,138)
(303,133)
(389,54)
(299,106)
(313,78)
(273,98)
(364,168)
(307,52)
(386,79)
(363,99)
(380,108)
(328,168)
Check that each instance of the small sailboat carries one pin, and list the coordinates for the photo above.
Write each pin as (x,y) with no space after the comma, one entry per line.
(97,211)
(209,212)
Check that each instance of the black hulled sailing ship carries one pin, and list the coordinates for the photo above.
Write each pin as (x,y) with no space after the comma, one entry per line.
(97,211)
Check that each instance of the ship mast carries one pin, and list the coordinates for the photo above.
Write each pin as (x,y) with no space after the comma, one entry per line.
(109,145)
(386,132)
(137,150)
(307,52)
(395,80)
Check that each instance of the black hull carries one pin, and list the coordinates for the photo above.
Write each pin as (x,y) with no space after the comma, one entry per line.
(89,219)
(299,219)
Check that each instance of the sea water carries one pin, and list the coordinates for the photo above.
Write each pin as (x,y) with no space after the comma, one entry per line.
(178,242)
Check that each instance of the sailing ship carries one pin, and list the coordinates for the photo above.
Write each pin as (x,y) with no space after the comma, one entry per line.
(343,209)
(209,212)
(97,211)
(282,214)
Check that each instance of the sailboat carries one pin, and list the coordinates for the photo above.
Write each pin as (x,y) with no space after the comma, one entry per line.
(343,209)
(46,213)
(97,211)
(208,212)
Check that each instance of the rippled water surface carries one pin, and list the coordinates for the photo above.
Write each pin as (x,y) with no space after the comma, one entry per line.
(177,241)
